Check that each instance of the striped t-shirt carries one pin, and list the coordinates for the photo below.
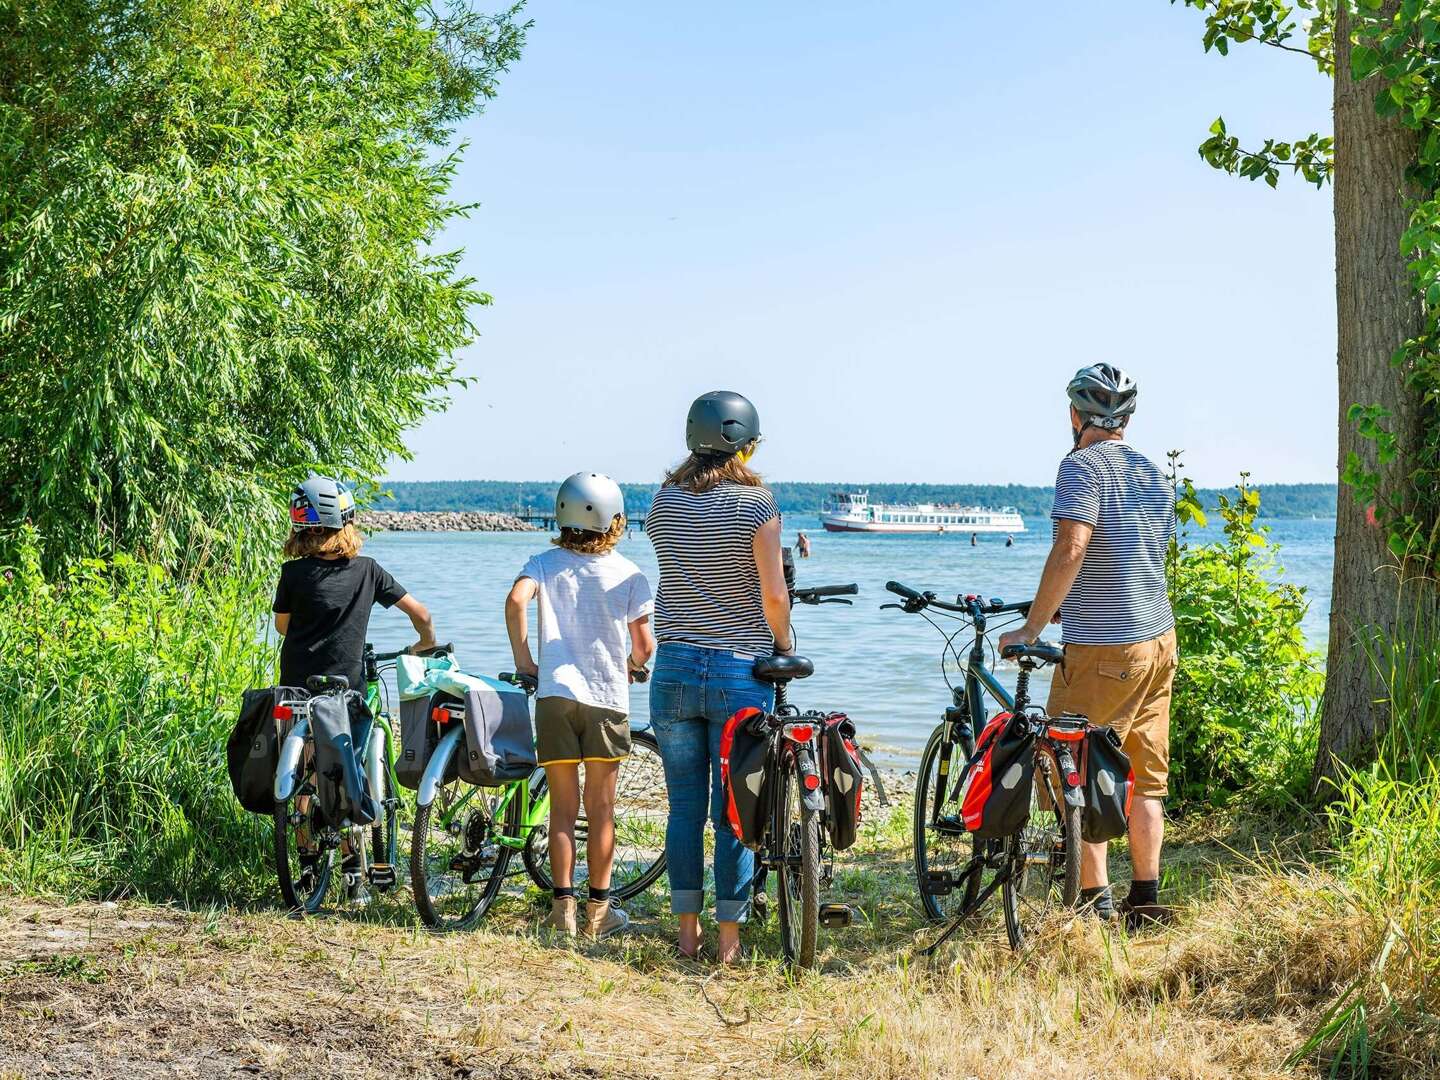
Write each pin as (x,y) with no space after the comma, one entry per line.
(1120,595)
(709,591)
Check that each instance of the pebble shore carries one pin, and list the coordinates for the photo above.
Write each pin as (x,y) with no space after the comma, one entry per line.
(442,521)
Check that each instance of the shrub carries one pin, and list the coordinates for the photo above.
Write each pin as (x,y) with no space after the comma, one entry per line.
(1246,691)
(118,687)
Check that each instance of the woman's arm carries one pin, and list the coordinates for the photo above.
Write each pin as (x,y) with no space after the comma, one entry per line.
(517,625)
(282,622)
(773,592)
(420,619)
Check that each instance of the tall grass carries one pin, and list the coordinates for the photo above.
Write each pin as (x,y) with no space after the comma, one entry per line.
(1386,828)
(118,685)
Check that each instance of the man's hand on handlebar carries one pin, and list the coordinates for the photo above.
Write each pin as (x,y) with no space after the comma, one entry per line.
(1019,636)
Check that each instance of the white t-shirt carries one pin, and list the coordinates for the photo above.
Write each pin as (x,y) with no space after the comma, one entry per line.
(587,603)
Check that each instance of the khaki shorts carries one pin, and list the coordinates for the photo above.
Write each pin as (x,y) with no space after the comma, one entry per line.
(568,732)
(1126,687)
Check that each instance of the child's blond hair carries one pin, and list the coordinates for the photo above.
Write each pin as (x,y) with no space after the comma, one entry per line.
(584,542)
(321,543)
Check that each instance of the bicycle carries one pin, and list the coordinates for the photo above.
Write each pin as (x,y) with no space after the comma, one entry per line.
(465,838)
(794,839)
(1037,865)
(305,843)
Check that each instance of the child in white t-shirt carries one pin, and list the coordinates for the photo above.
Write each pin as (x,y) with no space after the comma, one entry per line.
(594,634)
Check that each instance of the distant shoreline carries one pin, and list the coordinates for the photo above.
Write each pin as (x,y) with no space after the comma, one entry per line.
(1277,501)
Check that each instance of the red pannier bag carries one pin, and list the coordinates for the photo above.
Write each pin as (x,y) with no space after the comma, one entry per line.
(844,778)
(995,784)
(745,774)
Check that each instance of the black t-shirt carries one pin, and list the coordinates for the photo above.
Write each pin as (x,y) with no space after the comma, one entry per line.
(329,601)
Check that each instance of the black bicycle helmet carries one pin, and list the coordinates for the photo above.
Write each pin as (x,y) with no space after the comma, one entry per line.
(721,422)
(1103,395)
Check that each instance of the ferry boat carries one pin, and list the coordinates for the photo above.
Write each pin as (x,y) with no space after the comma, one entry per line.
(852,511)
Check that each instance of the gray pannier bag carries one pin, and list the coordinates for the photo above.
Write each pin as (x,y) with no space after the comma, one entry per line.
(419,736)
(340,782)
(499,741)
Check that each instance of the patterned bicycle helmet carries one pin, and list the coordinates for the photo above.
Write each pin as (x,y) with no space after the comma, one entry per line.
(321,503)
(1103,395)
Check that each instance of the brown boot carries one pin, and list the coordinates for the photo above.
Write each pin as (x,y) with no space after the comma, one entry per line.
(603,919)
(562,916)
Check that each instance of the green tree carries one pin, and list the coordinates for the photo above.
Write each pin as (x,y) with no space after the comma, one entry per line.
(1383,160)
(216,261)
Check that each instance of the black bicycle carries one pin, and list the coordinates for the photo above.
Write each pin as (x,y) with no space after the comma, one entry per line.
(1036,867)
(794,842)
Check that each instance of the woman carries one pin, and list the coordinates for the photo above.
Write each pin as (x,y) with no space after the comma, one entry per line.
(722,602)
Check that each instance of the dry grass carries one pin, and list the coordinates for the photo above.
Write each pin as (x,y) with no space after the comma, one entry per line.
(141,991)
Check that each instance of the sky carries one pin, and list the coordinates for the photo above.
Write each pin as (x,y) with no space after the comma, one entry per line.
(898,229)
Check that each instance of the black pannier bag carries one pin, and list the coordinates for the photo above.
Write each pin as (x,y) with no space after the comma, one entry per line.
(745,774)
(995,784)
(1109,787)
(419,736)
(253,749)
(845,778)
(341,785)
(499,740)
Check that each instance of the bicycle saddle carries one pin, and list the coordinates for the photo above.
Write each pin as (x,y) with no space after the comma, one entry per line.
(320,684)
(1039,653)
(777,669)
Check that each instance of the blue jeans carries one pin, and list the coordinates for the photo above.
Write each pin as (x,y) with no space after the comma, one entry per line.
(693,691)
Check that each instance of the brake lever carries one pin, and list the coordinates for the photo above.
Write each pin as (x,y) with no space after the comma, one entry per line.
(834,600)
(887,607)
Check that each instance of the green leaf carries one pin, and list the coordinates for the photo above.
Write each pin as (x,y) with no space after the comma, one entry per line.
(1363,62)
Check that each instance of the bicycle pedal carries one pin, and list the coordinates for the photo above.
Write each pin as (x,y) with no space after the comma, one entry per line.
(937,883)
(760,907)
(836,916)
(382,876)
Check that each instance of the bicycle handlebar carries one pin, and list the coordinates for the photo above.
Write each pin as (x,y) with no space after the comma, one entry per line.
(818,594)
(436,650)
(971,605)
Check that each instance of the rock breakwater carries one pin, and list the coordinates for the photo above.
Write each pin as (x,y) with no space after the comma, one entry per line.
(442,521)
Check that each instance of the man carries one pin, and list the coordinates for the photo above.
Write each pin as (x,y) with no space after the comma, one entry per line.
(1105,580)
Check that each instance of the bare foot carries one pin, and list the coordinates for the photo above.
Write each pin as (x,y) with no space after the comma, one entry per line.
(728,947)
(690,936)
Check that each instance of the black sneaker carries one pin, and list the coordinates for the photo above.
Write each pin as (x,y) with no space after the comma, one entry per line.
(1140,917)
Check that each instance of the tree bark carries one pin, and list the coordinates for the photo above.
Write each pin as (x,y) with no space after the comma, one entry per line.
(1377,309)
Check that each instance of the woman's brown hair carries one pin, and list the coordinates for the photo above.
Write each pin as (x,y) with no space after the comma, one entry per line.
(702,471)
(341,543)
(584,542)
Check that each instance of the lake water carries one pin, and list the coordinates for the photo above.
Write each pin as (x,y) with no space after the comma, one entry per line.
(881,667)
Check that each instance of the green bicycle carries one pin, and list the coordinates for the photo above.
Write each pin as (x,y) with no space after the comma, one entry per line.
(305,843)
(466,838)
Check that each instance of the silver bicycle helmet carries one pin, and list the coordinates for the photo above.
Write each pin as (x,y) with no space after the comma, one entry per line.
(321,503)
(721,422)
(589,502)
(1103,395)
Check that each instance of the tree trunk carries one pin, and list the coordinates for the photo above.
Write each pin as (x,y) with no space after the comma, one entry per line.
(1377,310)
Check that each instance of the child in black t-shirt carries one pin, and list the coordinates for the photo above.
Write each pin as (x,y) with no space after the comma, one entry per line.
(326,589)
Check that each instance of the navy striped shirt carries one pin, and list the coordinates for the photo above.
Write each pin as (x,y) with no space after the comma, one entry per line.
(709,591)
(1120,596)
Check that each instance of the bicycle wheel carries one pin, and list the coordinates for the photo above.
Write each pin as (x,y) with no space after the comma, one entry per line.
(1043,870)
(797,879)
(642,807)
(942,844)
(457,867)
(302,870)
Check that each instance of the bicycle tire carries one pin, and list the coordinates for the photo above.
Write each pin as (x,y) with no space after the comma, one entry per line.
(647,862)
(426,886)
(1059,831)
(799,904)
(286,871)
(929,849)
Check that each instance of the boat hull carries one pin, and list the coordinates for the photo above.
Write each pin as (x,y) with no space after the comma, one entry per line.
(837,526)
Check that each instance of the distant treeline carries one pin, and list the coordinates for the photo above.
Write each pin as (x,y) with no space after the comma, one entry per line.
(1277,500)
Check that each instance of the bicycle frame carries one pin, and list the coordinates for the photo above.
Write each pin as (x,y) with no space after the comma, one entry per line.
(534,812)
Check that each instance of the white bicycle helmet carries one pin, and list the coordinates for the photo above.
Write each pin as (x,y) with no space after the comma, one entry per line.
(589,502)
(321,503)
